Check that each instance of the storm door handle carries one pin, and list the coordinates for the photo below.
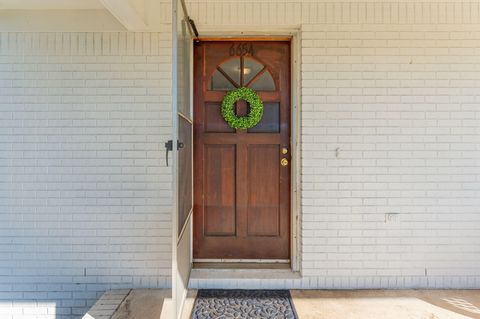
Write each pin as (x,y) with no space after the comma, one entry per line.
(169,147)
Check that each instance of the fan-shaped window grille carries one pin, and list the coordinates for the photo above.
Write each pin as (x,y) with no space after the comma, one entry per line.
(242,71)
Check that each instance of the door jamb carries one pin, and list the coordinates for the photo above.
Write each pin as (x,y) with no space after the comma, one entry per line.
(274,33)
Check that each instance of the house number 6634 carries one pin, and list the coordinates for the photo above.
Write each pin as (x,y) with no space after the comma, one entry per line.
(241,49)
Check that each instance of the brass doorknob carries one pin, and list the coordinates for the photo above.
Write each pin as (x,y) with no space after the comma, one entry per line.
(284,162)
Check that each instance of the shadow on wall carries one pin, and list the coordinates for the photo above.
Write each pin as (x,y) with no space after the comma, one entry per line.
(116,304)
(108,303)
(12,306)
(30,309)
(132,304)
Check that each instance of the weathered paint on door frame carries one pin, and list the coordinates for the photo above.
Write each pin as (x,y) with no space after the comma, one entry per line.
(294,34)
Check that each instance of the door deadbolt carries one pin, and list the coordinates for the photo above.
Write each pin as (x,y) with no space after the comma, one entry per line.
(284,150)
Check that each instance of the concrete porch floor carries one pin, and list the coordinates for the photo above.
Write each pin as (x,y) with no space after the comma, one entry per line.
(316,304)
(387,304)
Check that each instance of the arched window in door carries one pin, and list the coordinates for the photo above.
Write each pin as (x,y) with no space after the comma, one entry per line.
(242,71)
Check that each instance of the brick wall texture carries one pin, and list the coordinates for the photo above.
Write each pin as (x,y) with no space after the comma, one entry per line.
(390,152)
(391,155)
(84,191)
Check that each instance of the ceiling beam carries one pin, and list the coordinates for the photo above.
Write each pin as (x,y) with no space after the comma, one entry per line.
(125,14)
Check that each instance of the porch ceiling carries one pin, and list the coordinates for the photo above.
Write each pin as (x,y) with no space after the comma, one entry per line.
(49,4)
(128,12)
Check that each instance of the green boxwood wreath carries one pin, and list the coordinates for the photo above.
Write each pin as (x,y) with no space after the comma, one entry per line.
(243,122)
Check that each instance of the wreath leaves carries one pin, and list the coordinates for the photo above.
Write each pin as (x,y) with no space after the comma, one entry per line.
(243,122)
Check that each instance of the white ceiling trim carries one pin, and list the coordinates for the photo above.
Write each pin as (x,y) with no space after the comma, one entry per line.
(50,4)
(125,14)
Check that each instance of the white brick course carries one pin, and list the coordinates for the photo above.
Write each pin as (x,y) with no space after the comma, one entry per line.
(405,123)
(84,191)
(390,127)
(390,132)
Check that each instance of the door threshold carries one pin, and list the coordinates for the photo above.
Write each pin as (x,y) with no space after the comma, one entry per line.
(224,273)
(241,265)
(222,260)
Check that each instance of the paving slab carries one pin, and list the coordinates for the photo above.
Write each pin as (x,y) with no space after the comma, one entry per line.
(309,304)
(142,304)
(387,304)
(108,303)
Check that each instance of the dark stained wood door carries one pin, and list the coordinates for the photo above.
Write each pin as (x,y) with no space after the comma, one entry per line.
(241,189)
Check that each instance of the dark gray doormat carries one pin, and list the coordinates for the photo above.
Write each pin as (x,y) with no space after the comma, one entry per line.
(223,304)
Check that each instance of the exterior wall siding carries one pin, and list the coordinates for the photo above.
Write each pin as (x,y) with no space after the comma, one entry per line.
(390,152)
(390,140)
(84,191)
(391,170)
(285,12)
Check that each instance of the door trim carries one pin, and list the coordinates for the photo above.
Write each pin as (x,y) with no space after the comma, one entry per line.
(293,34)
(238,39)
(220,260)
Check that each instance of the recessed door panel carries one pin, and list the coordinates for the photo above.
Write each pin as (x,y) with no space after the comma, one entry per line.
(219,190)
(263,208)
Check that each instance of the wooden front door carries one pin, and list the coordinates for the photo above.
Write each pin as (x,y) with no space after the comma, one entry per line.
(241,188)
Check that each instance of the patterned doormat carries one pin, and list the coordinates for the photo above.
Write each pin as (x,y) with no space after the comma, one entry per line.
(223,304)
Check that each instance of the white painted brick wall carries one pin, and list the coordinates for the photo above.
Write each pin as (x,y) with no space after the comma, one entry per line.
(251,14)
(84,191)
(400,103)
(394,87)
